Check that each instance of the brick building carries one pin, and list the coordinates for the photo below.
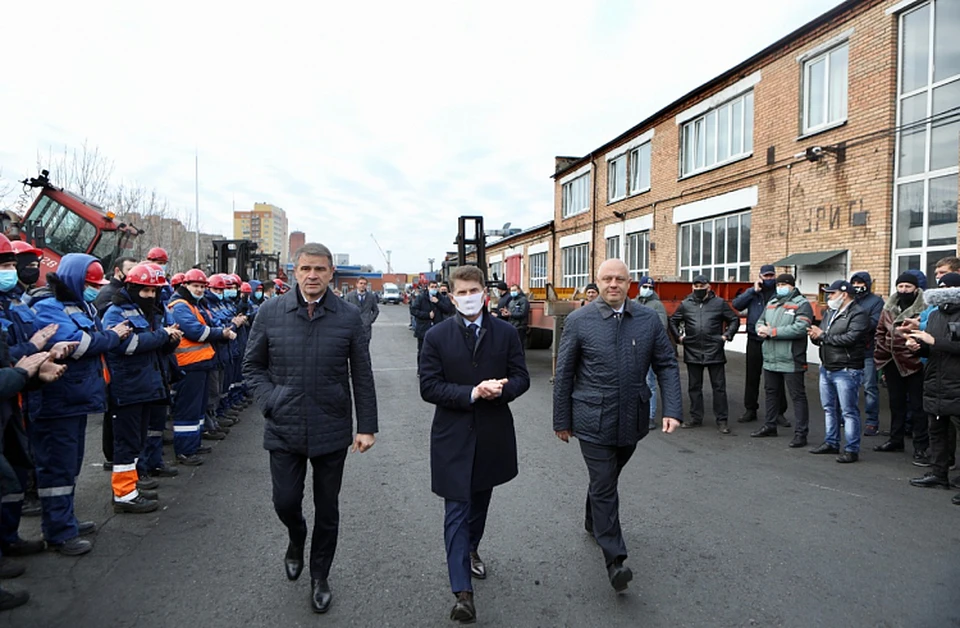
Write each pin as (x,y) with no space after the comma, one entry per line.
(833,150)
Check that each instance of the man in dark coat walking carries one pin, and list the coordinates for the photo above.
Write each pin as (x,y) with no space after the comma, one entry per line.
(304,351)
(366,301)
(708,324)
(600,396)
(471,368)
(428,309)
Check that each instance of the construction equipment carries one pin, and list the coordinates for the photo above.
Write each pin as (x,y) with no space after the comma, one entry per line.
(386,256)
(59,222)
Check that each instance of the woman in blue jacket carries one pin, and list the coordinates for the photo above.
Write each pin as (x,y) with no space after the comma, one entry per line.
(137,382)
(58,432)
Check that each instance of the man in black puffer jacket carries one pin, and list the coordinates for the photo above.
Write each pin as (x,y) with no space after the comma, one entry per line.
(940,344)
(708,323)
(304,351)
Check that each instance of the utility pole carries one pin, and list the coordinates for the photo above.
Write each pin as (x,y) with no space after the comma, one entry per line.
(431,260)
(389,266)
(196,201)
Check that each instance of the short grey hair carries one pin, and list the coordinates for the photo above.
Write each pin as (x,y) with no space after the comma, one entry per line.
(312,248)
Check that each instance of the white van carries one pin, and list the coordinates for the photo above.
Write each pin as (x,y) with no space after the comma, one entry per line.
(391,294)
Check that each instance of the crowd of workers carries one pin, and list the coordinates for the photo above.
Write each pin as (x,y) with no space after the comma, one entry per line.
(153,353)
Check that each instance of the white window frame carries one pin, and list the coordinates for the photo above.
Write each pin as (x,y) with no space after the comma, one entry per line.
(688,268)
(575,265)
(826,57)
(637,254)
(538,269)
(613,247)
(575,195)
(640,157)
(495,268)
(617,179)
(697,130)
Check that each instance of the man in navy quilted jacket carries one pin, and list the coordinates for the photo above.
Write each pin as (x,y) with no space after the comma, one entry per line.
(304,351)
(600,396)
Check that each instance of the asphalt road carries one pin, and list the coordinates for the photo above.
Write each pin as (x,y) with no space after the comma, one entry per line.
(723,531)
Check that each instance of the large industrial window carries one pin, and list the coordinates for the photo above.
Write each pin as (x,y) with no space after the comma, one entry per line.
(538,270)
(575,265)
(717,247)
(928,114)
(576,196)
(638,254)
(718,136)
(825,89)
(640,169)
(617,178)
(613,247)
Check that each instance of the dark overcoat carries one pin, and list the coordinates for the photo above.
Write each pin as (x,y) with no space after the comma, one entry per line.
(473,446)
(600,390)
(301,370)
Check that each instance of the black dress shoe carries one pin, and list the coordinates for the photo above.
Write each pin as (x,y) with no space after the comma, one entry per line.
(920,458)
(848,457)
(619,576)
(477,569)
(825,448)
(764,432)
(691,424)
(12,599)
(86,528)
(889,446)
(798,441)
(748,416)
(782,421)
(22,547)
(321,596)
(464,611)
(930,480)
(955,500)
(293,561)
(10,569)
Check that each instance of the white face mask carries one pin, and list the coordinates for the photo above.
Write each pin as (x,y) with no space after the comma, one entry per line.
(835,304)
(471,304)
(646,291)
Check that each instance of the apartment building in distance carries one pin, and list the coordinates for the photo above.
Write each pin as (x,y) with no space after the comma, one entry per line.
(266,225)
(833,150)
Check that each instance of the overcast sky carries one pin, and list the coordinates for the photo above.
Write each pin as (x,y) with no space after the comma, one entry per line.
(390,118)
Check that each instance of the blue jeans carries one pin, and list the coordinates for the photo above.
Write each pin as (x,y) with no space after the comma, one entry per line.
(842,387)
(652,385)
(871,391)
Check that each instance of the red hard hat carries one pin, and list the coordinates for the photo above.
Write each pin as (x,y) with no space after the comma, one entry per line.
(5,245)
(245,288)
(146,275)
(228,280)
(20,247)
(158,255)
(195,275)
(218,282)
(278,282)
(236,278)
(95,275)
(177,279)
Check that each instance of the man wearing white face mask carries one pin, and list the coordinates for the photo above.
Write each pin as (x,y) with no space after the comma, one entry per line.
(471,367)
(842,341)
(650,299)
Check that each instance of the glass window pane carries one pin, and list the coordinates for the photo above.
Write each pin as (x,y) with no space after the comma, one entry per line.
(723,134)
(748,123)
(915,63)
(644,160)
(745,238)
(942,216)
(944,146)
(946,34)
(733,238)
(736,123)
(708,242)
(695,244)
(932,258)
(837,95)
(907,262)
(688,148)
(913,141)
(721,241)
(701,144)
(685,245)
(744,273)
(710,141)
(816,84)
(910,215)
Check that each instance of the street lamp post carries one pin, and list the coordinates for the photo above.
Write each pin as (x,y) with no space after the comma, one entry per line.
(431,260)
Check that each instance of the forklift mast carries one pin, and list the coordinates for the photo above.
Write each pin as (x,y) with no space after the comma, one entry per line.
(472,225)
(233,256)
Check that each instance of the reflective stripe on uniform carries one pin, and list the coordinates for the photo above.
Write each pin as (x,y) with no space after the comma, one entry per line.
(73,309)
(186,428)
(191,349)
(55,491)
(129,497)
(154,433)
(130,313)
(85,341)
(134,343)
(123,468)
(12,498)
(206,332)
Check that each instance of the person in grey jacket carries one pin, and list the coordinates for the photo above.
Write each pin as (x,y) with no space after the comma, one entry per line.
(367,302)
(649,298)
(708,324)
(600,396)
(305,350)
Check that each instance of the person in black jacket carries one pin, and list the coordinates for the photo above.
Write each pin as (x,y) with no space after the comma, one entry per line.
(940,344)
(472,367)
(708,322)
(428,309)
(305,350)
(843,342)
(872,304)
(105,297)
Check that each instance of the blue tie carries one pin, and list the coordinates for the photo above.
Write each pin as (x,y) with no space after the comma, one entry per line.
(475,329)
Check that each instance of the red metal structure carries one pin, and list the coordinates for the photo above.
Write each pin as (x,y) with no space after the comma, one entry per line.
(59,222)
